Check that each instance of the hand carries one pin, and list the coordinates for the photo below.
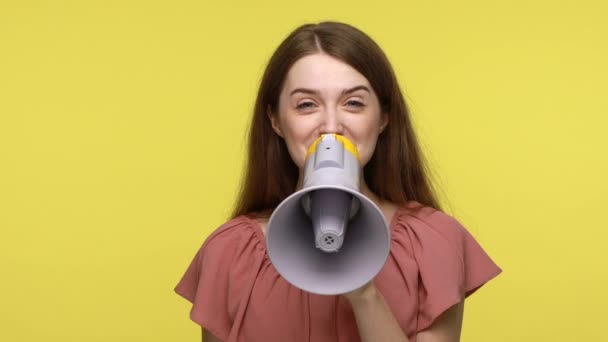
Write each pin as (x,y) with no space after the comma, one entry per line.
(366,291)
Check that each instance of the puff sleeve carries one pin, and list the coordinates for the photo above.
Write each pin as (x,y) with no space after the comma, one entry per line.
(452,264)
(208,282)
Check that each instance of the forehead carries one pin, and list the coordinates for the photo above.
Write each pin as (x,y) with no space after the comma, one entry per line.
(323,72)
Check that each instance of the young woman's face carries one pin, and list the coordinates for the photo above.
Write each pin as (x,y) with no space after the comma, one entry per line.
(322,94)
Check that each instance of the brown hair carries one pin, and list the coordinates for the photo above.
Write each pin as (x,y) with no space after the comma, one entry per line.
(397,171)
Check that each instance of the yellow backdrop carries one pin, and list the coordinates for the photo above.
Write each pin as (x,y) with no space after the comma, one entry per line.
(121,146)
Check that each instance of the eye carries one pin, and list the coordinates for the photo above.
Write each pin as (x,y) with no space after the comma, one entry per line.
(305,105)
(354,103)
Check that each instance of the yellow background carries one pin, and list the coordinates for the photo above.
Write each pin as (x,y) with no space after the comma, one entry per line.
(121,146)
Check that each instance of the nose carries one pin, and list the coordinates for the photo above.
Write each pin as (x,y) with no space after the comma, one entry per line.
(332,122)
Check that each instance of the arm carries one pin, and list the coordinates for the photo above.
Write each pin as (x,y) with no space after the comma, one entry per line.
(446,328)
(376,322)
(209,337)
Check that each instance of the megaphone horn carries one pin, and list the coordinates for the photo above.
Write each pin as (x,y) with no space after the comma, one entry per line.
(328,238)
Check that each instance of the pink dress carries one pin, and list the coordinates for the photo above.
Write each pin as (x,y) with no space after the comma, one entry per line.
(238,295)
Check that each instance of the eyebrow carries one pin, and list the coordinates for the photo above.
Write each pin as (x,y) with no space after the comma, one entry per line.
(315,92)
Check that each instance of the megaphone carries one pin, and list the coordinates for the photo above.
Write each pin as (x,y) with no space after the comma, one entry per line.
(328,238)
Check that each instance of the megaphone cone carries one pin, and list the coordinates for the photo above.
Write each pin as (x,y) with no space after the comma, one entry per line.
(328,238)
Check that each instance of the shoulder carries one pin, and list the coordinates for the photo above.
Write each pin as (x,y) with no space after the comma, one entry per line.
(443,243)
(224,257)
(231,233)
(451,263)
(217,278)
(233,246)
(421,211)
(431,221)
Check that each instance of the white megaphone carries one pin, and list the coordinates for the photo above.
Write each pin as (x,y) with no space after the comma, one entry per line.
(328,238)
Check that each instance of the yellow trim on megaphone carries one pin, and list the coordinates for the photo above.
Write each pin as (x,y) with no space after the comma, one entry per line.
(348,145)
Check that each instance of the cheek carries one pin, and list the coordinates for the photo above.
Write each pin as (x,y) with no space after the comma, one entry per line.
(367,151)
(295,152)
(366,135)
(297,135)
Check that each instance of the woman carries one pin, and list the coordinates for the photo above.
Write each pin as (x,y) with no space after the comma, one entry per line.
(332,78)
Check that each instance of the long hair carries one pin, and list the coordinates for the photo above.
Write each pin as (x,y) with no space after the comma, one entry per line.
(397,171)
